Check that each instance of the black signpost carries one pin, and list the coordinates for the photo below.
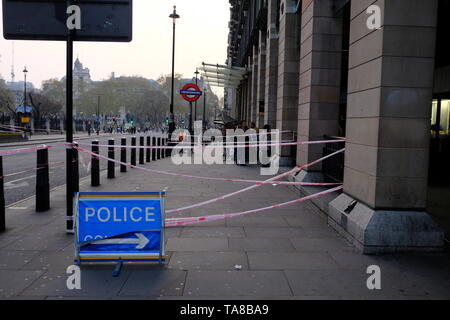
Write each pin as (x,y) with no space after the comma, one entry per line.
(97,20)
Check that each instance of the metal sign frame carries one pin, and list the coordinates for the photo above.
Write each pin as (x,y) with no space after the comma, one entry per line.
(101,20)
(119,256)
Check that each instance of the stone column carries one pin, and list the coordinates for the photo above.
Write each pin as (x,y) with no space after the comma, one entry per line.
(261,86)
(288,67)
(391,70)
(254,87)
(320,77)
(248,93)
(271,82)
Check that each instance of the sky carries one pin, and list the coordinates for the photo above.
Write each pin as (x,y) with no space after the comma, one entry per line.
(201,35)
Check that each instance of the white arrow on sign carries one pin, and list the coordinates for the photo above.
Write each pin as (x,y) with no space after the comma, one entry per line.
(141,241)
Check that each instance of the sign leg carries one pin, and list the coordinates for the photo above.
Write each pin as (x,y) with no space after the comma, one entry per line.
(117,269)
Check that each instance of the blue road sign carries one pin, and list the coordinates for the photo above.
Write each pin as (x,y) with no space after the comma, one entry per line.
(119,227)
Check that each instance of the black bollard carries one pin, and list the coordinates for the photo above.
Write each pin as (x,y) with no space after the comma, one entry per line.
(235,142)
(2,199)
(123,155)
(133,151)
(247,150)
(168,150)
(76,170)
(224,144)
(158,151)
(257,149)
(163,151)
(42,181)
(111,165)
(141,150)
(148,151)
(153,149)
(95,167)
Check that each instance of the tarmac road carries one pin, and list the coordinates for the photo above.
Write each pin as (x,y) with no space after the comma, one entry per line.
(23,185)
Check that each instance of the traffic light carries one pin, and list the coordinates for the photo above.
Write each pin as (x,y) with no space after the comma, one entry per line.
(167,120)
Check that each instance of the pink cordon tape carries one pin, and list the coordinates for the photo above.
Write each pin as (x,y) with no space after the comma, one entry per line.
(54,164)
(187,145)
(257,182)
(179,222)
(23,128)
(269,181)
(215,145)
(23,150)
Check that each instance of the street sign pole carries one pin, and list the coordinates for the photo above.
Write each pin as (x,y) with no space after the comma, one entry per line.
(49,20)
(69,129)
(190,117)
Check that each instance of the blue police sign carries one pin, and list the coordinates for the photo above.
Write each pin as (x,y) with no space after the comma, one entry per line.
(119,227)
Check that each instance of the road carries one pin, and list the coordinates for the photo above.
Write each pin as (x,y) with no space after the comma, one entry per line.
(23,185)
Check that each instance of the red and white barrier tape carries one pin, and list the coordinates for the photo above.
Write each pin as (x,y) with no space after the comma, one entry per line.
(269,181)
(184,146)
(22,150)
(179,222)
(257,183)
(214,145)
(23,128)
(54,164)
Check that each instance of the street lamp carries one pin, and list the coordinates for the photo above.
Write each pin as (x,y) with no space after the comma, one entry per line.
(204,108)
(196,83)
(174,16)
(98,116)
(25,71)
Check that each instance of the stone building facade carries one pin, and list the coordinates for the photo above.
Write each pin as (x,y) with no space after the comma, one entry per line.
(325,68)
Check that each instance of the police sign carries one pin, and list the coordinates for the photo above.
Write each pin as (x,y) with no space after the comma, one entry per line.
(119,227)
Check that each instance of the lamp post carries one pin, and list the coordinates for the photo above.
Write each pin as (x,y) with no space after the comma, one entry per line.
(174,16)
(204,108)
(98,116)
(25,71)
(196,83)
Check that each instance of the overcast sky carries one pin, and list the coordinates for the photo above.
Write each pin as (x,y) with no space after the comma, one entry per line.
(202,33)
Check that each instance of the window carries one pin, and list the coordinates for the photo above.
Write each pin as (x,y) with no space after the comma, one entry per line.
(443,118)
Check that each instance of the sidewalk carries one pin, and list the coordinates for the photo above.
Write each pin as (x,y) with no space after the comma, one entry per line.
(285,253)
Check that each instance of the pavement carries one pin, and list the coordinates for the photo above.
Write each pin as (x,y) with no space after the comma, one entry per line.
(284,253)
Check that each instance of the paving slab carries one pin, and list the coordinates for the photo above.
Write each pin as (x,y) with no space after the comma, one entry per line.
(336,283)
(51,260)
(321,244)
(11,260)
(197,244)
(273,232)
(213,232)
(290,260)
(13,282)
(261,245)
(257,221)
(208,261)
(154,282)
(236,283)
(96,281)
